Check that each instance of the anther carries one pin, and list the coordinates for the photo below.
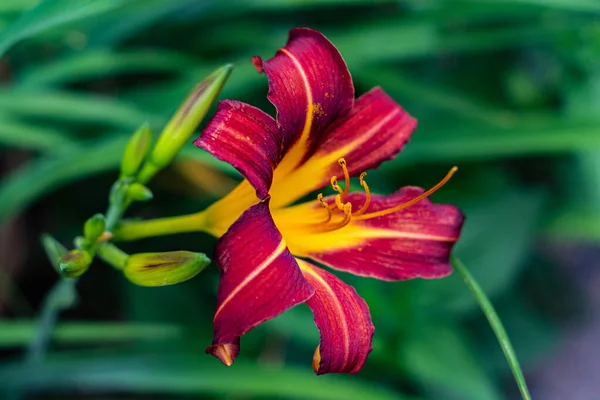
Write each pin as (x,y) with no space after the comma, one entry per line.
(342,163)
(335,186)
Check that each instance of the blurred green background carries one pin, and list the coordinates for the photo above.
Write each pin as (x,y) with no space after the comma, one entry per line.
(507,90)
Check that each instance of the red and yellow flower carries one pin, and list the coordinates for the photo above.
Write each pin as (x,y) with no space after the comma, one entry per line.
(321,132)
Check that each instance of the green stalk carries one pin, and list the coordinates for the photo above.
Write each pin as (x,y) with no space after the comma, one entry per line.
(134,230)
(62,296)
(496,324)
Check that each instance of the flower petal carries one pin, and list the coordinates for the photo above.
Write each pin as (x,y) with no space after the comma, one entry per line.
(376,129)
(410,243)
(310,86)
(344,323)
(246,138)
(260,279)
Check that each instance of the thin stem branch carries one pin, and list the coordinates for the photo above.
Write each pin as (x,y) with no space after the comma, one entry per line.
(133,230)
(61,296)
(496,324)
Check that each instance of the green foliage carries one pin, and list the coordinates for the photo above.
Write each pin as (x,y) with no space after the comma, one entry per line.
(507,90)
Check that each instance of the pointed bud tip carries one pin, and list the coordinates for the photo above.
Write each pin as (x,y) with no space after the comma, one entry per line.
(316,363)
(225,352)
(138,192)
(187,118)
(136,150)
(94,227)
(74,263)
(258,64)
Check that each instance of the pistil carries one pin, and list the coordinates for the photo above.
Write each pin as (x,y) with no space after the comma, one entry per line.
(339,202)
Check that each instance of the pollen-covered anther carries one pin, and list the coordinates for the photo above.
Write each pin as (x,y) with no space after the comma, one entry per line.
(334,185)
(342,162)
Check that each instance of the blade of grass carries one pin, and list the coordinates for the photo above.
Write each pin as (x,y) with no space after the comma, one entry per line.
(14,133)
(76,107)
(101,63)
(185,375)
(20,333)
(496,325)
(51,13)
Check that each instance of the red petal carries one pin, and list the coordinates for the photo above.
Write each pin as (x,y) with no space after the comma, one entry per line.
(376,129)
(260,279)
(246,138)
(344,323)
(309,84)
(410,243)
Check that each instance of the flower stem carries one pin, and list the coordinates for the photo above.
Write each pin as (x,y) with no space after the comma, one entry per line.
(496,324)
(61,296)
(133,230)
(112,255)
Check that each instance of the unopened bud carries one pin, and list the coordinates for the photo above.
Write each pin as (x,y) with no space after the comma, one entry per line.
(138,192)
(161,269)
(136,151)
(184,122)
(74,263)
(94,227)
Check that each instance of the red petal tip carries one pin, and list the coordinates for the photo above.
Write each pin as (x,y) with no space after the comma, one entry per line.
(316,363)
(258,64)
(224,352)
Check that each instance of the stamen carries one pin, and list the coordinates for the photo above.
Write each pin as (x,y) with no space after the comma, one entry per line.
(342,223)
(342,163)
(338,202)
(335,186)
(410,202)
(325,206)
(363,183)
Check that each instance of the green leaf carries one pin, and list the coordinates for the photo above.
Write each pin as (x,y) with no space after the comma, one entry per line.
(20,333)
(525,136)
(49,14)
(96,64)
(14,133)
(185,375)
(69,106)
(495,323)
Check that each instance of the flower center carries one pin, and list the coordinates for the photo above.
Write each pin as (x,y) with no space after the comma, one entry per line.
(339,204)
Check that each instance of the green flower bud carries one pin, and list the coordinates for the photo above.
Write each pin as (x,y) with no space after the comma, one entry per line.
(184,122)
(138,192)
(94,227)
(74,263)
(161,269)
(54,250)
(136,151)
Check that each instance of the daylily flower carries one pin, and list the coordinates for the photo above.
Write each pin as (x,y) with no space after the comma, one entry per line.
(321,132)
